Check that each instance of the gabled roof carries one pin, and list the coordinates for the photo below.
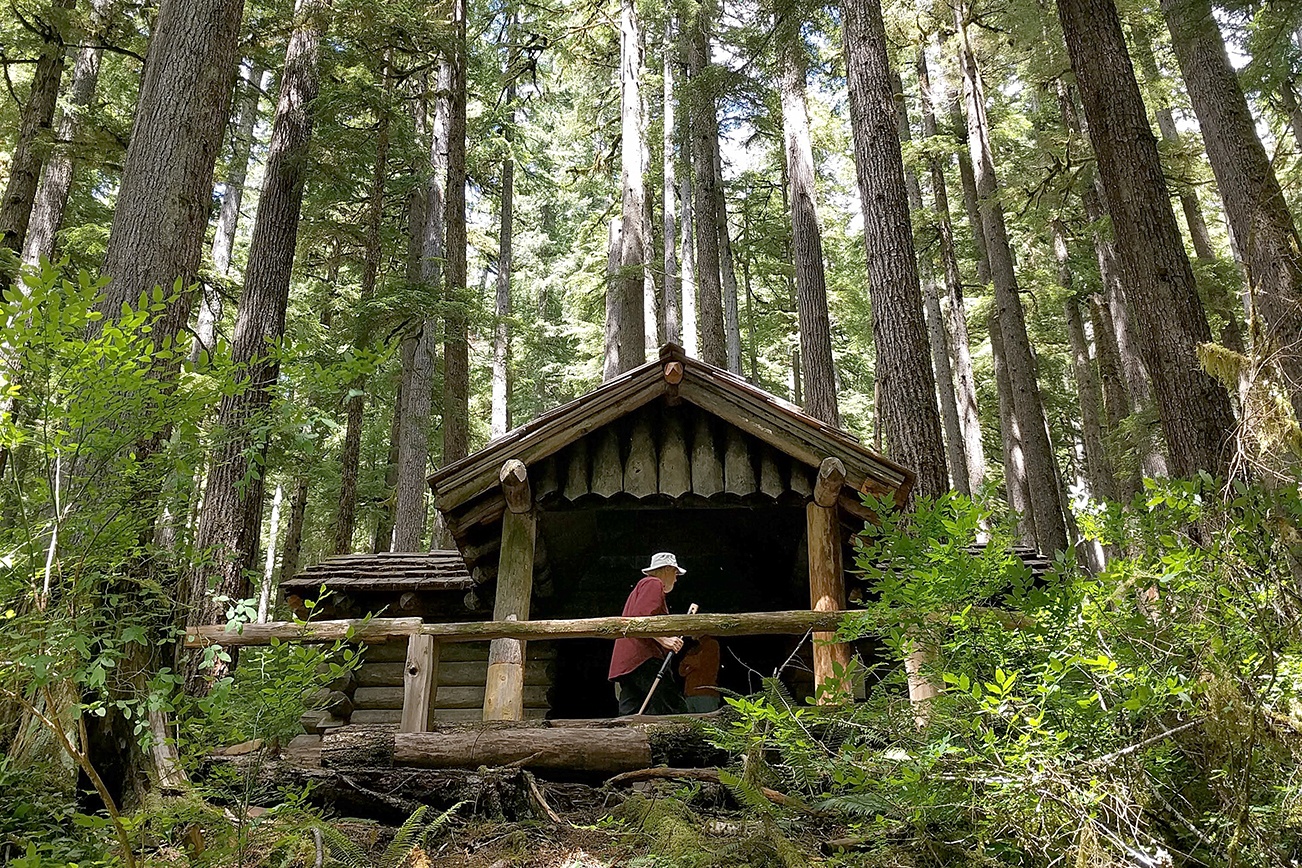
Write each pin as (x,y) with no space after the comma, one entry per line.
(780,424)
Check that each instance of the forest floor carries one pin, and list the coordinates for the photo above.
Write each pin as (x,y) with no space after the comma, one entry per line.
(658,824)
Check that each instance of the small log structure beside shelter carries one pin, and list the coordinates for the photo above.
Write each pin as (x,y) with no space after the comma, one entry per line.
(553,523)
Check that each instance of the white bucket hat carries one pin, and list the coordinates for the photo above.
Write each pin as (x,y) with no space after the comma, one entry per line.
(663,559)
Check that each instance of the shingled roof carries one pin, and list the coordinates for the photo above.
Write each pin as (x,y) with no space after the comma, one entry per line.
(387,571)
(471,485)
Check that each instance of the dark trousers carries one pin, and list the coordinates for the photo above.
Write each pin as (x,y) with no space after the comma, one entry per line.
(632,688)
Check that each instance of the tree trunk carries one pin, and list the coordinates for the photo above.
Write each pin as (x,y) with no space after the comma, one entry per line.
(156,236)
(687,236)
(625,314)
(971,201)
(1292,108)
(56,181)
(727,270)
(35,121)
(410,509)
(231,522)
(293,550)
(705,136)
(253,82)
(1098,467)
(956,315)
(267,591)
(910,419)
(456,331)
(501,390)
(1254,202)
(806,235)
(1028,408)
(1016,484)
(351,457)
(156,239)
(1194,409)
(1193,212)
(382,539)
(937,339)
(673,288)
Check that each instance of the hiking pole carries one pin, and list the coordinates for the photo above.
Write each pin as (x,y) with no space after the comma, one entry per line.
(664,668)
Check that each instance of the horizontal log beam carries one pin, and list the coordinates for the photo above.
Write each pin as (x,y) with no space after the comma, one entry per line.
(743,624)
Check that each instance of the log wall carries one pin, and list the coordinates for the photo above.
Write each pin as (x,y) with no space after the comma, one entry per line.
(462,671)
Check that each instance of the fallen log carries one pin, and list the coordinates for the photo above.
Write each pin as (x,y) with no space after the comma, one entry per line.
(605,747)
(604,751)
(794,622)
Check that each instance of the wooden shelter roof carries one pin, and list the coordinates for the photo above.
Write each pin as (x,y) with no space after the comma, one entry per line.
(472,485)
(387,571)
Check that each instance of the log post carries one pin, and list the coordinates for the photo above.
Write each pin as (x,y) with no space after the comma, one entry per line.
(504,690)
(420,682)
(827,573)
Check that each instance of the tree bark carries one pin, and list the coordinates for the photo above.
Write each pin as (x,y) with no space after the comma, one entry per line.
(1254,202)
(351,456)
(1017,486)
(967,178)
(1194,409)
(705,136)
(1292,108)
(687,236)
(231,522)
(937,338)
(910,419)
(956,315)
(56,180)
(625,314)
(267,590)
(382,539)
(727,269)
(671,308)
(156,236)
(456,330)
(1027,405)
(1193,212)
(35,121)
(293,550)
(253,84)
(410,506)
(501,387)
(1098,467)
(806,235)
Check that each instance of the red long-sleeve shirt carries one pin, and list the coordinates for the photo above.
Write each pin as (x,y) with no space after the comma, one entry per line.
(648,598)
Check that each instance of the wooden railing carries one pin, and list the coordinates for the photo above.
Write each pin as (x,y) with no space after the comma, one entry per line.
(383,629)
(420,680)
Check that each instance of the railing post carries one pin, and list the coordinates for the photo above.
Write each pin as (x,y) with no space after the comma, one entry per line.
(420,684)
(827,573)
(504,689)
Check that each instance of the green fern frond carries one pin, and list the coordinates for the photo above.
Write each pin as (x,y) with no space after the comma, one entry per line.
(405,840)
(746,791)
(342,849)
(858,806)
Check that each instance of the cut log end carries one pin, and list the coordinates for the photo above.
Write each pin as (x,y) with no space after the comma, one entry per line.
(515,486)
(831,478)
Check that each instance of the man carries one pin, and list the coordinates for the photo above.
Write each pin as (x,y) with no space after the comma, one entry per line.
(635,662)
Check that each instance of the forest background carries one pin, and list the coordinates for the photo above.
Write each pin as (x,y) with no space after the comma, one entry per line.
(265,267)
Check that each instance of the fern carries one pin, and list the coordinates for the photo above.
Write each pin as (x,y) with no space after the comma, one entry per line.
(406,841)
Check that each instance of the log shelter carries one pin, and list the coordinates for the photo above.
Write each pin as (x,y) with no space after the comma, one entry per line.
(556,519)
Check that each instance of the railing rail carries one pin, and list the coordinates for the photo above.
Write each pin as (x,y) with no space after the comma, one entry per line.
(373,630)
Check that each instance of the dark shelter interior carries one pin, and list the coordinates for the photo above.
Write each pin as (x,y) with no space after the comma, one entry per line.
(738,557)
